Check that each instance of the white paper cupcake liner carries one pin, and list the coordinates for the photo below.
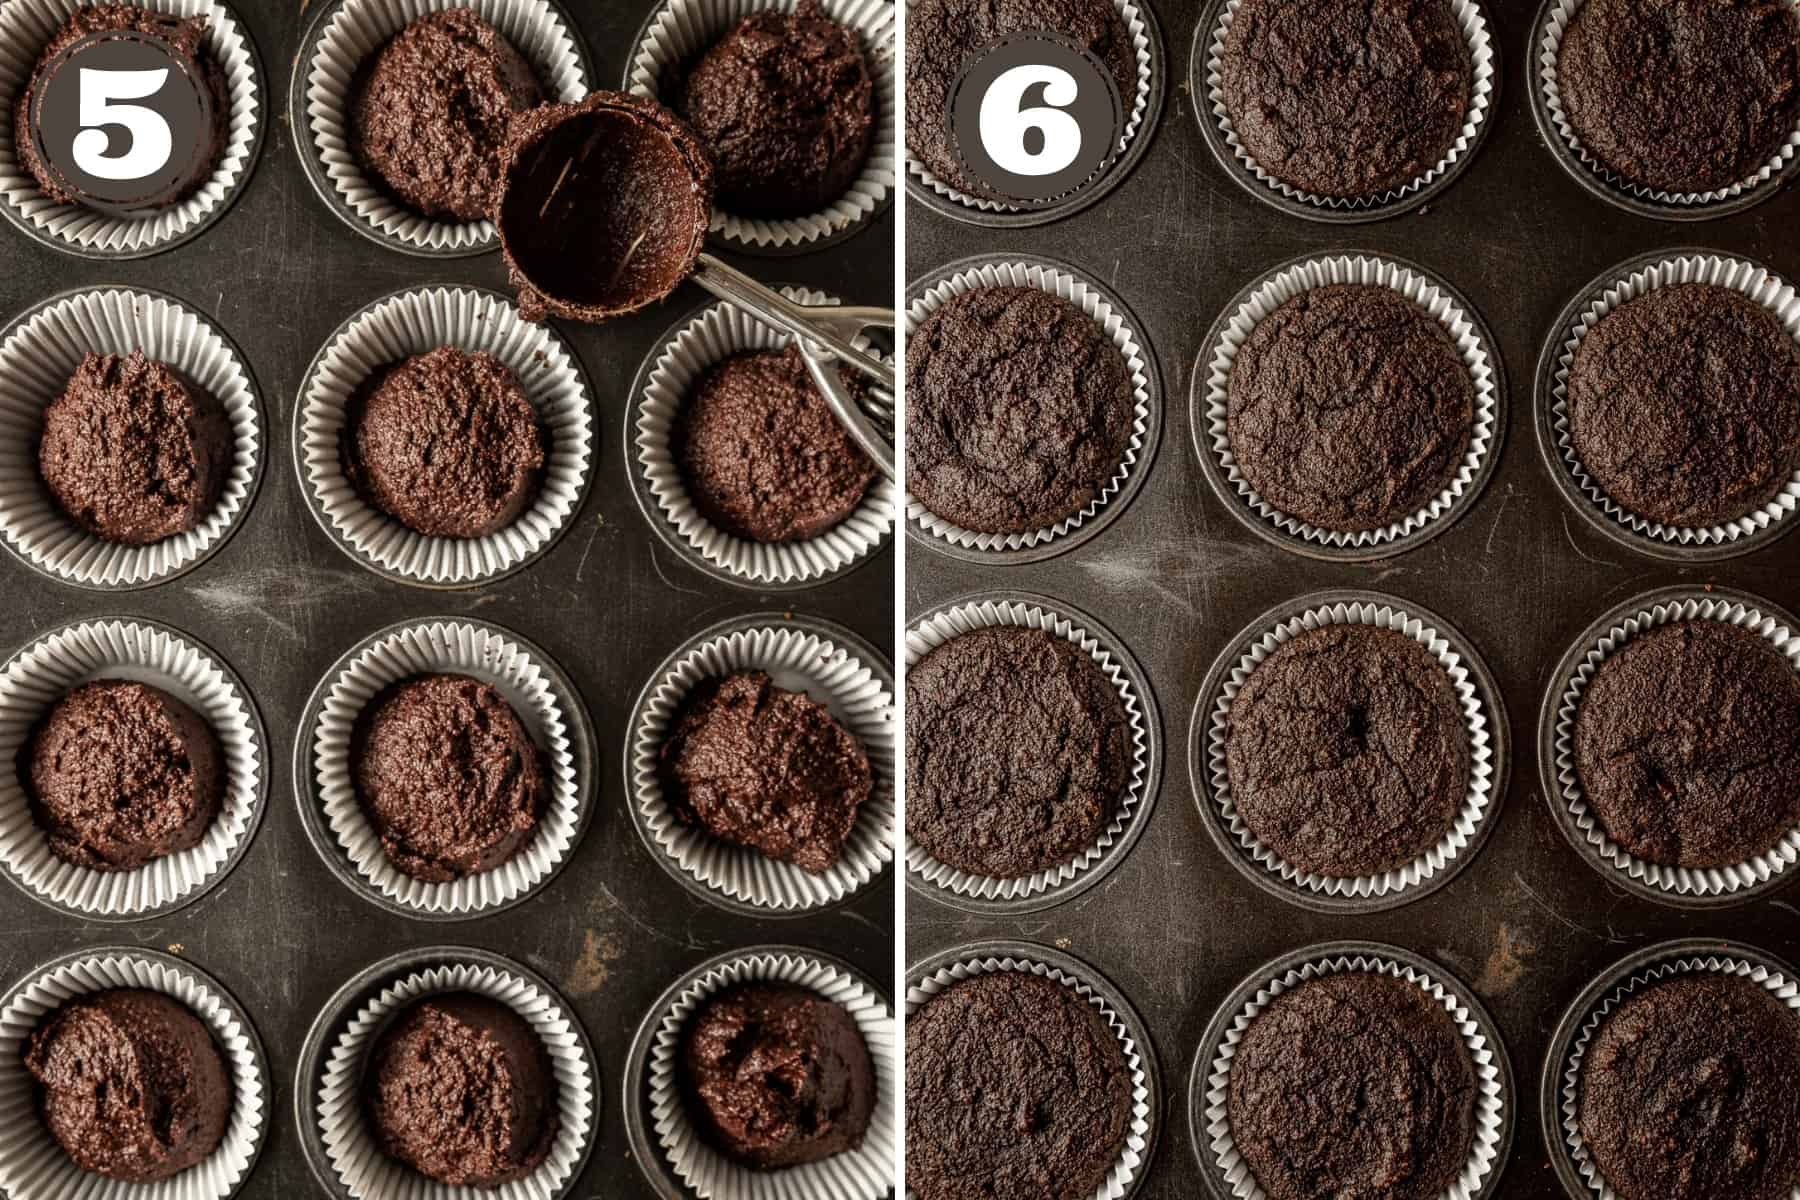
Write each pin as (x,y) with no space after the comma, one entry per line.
(26,27)
(37,360)
(1759,284)
(713,335)
(34,1167)
(1568,794)
(359,28)
(865,1173)
(544,704)
(945,626)
(799,656)
(1491,1098)
(1117,325)
(414,322)
(350,1147)
(682,30)
(39,676)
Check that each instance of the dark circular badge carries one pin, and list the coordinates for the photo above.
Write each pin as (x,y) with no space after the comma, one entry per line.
(1035,118)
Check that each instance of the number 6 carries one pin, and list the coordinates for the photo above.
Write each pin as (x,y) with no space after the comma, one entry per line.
(1004,124)
(152,141)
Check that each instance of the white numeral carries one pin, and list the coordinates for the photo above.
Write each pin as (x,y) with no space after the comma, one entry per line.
(152,141)
(1004,124)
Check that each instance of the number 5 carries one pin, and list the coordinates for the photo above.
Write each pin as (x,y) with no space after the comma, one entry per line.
(152,141)
(1004,123)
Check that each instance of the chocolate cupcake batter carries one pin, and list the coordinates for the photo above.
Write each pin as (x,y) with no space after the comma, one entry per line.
(1687,1092)
(120,773)
(446,443)
(1347,750)
(1684,405)
(461,1089)
(1018,410)
(758,766)
(1687,745)
(777,1076)
(785,105)
(1015,1087)
(132,452)
(1356,1086)
(448,775)
(1017,751)
(1349,407)
(130,1084)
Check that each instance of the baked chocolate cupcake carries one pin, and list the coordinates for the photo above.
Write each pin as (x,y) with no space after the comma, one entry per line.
(1687,745)
(130,1084)
(1346,98)
(448,775)
(1347,750)
(1018,409)
(1687,1092)
(758,766)
(1015,1087)
(1349,407)
(776,1076)
(786,106)
(1353,1084)
(461,1089)
(1684,405)
(120,773)
(132,452)
(762,455)
(1681,95)
(1017,751)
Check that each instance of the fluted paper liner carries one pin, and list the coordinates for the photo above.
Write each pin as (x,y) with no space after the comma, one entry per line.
(37,362)
(47,670)
(1477,355)
(368,1174)
(1114,323)
(684,29)
(26,27)
(414,322)
(714,335)
(547,711)
(865,1173)
(34,1167)
(1759,284)
(1679,881)
(950,624)
(799,659)
(1491,1097)
(362,27)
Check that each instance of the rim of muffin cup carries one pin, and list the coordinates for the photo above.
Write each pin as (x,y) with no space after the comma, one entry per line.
(75,229)
(1115,318)
(926,875)
(1209,403)
(34,1167)
(1222,1168)
(1140,129)
(1559,1082)
(339,38)
(1484,723)
(44,670)
(539,692)
(331,1121)
(801,653)
(669,1150)
(1547,29)
(40,350)
(413,321)
(1206,89)
(1602,295)
(664,381)
(1679,887)
(677,31)
(928,977)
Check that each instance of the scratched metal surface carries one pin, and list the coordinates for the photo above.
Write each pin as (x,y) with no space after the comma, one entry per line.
(1528,923)
(280,603)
